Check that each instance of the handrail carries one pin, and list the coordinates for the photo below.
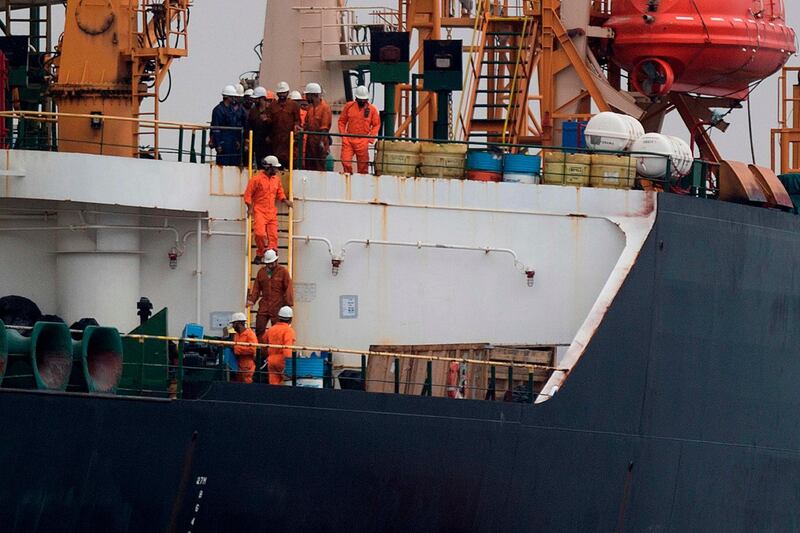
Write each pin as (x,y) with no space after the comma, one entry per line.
(290,247)
(55,115)
(216,342)
(248,267)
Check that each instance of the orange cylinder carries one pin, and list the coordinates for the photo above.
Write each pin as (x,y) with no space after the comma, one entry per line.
(482,175)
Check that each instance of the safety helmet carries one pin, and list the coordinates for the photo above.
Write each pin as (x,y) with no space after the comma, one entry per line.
(239,89)
(229,90)
(271,161)
(271,256)
(259,92)
(285,312)
(238,317)
(271,95)
(313,88)
(283,87)
(361,93)
(249,93)
(295,95)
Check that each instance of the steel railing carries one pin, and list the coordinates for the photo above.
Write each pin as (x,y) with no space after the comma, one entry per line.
(38,130)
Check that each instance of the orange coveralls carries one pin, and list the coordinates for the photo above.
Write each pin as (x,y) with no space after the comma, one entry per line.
(245,356)
(281,333)
(261,194)
(271,291)
(358,121)
(318,119)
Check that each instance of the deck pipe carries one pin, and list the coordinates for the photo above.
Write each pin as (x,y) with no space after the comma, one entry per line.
(42,361)
(97,360)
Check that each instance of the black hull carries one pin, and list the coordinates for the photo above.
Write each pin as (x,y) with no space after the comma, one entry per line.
(682,415)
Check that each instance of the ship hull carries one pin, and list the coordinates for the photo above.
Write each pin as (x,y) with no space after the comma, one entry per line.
(681,415)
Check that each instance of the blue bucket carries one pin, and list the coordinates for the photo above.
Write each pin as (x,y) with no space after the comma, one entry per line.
(572,134)
(522,164)
(310,370)
(485,160)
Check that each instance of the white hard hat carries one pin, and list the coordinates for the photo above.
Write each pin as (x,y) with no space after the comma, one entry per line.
(239,89)
(295,95)
(271,161)
(313,88)
(249,93)
(238,317)
(229,90)
(271,256)
(283,87)
(259,92)
(285,312)
(361,93)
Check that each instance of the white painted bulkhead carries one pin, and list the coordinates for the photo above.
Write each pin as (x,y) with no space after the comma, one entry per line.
(572,238)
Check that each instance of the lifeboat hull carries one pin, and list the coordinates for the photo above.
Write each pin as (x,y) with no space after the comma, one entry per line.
(712,47)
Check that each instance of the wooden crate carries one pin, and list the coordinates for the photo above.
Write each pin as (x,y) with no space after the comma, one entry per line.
(381,369)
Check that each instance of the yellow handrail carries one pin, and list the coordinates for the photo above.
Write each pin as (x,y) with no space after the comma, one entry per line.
(142,338)
(248,268)
(290,246)
(514,89)
(150,122)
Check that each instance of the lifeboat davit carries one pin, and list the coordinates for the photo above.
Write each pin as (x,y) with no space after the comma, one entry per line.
(712,47)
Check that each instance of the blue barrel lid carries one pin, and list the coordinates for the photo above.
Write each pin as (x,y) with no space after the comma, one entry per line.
(485,160)
(522,163)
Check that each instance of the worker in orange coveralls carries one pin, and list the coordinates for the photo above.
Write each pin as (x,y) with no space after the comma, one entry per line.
(280,334)
(318,119)
(245,355)
(283,118)
(263,190)
(272,289)
(358,118)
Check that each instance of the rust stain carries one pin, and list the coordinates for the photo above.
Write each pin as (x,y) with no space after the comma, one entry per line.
(220,178)
(348,187)
(376,188)
(384,222)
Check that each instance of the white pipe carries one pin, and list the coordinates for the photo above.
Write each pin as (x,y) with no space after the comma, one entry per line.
(199,272)
(84,227)
(101,212)
(419,244)
(309,238)
(208,233)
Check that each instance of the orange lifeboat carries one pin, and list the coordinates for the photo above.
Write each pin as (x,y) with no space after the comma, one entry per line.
(712,47)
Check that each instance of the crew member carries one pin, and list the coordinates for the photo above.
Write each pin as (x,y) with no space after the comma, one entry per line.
(245,355)
(283,118)
(358,118)
(318,119)
(247,100)
(280,334)
(298,149)
(227,141)
(256,122)
(263,190)
(272,289)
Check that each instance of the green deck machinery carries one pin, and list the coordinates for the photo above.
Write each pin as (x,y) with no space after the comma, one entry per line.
(50,360)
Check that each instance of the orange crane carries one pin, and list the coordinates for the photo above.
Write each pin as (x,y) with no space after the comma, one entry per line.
(112,60)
